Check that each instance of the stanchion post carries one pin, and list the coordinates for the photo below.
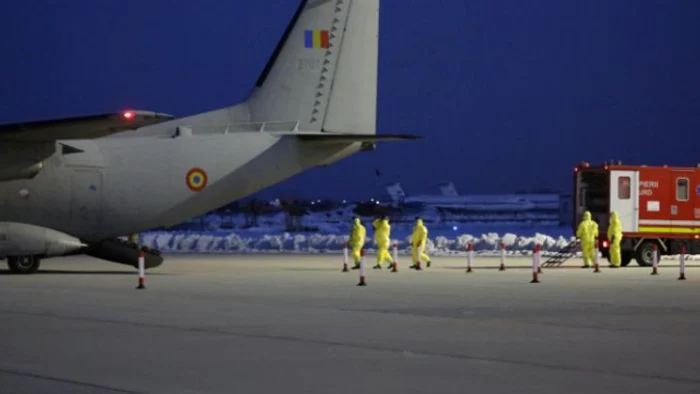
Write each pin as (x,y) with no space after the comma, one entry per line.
(142,270)
(654,259)
(682,257)
(470,256)
(596,259)
(535,265)
(503,256)
(362,268)
(345,258)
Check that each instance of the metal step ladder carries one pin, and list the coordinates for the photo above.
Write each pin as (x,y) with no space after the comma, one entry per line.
(563,254)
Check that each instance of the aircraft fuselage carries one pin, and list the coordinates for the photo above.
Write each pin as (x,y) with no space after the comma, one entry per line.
(119,186)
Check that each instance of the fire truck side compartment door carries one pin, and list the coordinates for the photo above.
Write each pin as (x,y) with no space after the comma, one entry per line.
(624,198)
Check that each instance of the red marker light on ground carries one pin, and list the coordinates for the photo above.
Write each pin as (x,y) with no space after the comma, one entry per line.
(128,115)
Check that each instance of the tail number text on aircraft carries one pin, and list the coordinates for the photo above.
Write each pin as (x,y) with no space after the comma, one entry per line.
(308,64)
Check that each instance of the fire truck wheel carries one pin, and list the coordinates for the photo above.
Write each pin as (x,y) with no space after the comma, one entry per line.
(626,258)
(645,254)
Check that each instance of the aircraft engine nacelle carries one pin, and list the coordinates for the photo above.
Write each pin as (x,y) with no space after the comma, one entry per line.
(23,160)
(20,239)
(20,171)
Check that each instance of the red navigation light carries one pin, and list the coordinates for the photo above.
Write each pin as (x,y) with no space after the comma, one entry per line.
(128,115)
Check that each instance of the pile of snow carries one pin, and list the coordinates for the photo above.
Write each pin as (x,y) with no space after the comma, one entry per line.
(257,242)
(198,242)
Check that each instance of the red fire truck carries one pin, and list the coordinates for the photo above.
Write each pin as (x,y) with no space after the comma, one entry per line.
(656,205)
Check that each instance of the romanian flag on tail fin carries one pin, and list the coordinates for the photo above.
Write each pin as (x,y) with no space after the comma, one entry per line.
(316,39)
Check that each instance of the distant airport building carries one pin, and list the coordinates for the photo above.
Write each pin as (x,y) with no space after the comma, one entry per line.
(540,208)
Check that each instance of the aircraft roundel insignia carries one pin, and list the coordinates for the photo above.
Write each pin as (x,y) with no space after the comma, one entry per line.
(196,179)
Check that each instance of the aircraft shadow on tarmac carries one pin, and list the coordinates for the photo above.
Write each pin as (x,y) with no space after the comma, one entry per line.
(85,272)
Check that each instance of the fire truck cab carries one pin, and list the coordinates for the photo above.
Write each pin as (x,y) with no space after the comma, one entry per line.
(656,206)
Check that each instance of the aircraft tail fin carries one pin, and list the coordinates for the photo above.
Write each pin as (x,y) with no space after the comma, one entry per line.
(323,72)
(448,189)
(396,192)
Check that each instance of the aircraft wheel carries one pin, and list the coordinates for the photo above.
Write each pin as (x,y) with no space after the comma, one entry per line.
(23,264)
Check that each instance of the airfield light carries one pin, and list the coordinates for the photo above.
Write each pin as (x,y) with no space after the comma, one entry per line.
(128,115)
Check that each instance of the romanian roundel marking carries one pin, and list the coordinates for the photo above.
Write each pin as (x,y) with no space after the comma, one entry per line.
(196,179)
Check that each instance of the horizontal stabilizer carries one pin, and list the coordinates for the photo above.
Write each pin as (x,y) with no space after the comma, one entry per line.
(351,138)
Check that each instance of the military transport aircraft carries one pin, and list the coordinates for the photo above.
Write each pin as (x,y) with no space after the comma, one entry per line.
(76,185)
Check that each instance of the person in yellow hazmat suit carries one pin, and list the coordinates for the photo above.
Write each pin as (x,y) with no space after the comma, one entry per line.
(418,240)
(382,236)
(587,232)
(376,222)
(615,237)
(375,225)
(357,241)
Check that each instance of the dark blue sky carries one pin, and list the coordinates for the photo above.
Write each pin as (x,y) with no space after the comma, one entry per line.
(510,94)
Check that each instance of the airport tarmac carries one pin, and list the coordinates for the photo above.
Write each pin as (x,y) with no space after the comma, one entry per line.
(296,324)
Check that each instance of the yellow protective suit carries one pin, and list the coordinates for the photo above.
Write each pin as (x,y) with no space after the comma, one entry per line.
(615,237)
(587,232)
(420,235)
(357,241)
(382,236)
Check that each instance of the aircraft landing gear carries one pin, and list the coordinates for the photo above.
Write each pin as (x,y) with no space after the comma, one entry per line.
(23,264)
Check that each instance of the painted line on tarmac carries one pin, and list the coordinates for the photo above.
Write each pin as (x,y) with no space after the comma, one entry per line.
(67,381)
